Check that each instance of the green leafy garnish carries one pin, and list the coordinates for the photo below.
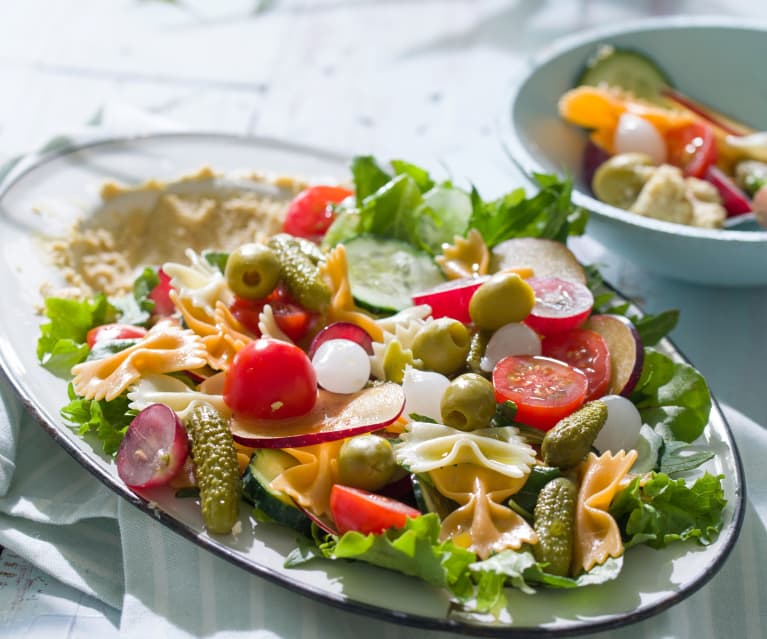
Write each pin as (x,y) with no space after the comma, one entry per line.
(61,344)
(143,285)
(662,510)
(107,420)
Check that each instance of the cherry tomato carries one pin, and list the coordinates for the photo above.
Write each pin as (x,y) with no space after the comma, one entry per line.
(292,319)
(545,390)
(585,350)
(111,332)
(356,509)
(160,295)
(692,148)
(269,379)
(310,214)
(560,305)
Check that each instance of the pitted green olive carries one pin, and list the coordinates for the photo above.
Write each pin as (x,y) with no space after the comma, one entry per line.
(442,345)
(366,462)
(468,403)
(619,180)
(252,271)
(501,300)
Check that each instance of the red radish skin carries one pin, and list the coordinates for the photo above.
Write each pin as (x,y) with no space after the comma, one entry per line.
(450,299)
(342,330)
(734,200)
(626,351)
(334,416)
(160,295)
(154,448)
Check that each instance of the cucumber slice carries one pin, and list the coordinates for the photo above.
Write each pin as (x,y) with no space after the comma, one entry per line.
(627,69)
(385,273)
(264,466)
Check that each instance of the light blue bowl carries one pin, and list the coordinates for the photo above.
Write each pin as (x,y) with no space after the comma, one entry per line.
(718,62)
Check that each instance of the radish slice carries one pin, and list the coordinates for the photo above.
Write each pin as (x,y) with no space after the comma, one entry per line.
(511,339)
(333,417)
(734,200)
(626,351)
(342,330)
(154,448)
(621,430)
(451,299)
(560,305)
(342,366)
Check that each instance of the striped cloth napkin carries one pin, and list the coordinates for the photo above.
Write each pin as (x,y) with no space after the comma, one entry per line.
(58,517)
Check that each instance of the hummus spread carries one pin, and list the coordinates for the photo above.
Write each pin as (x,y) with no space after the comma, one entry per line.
(157,222)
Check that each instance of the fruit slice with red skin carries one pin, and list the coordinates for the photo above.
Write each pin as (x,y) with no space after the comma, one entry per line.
(545,390)
(154,448)
(160,295)
(450,299)
(560,305)
(334,416)
(342,330)
(734,200)
(626,351)
(110,332)
(585,350)
(364,512)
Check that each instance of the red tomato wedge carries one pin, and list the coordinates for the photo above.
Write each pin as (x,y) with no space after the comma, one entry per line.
(111,332)
(160,295)
(692,148)
(269,379)
(292,319)
(310,214)
(585,350)
(355,509)
(560,305)
(545,390)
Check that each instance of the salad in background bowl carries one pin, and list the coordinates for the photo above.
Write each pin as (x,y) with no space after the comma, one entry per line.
(655,161)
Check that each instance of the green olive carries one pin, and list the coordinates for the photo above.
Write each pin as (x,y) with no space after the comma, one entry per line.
(442,345)
(366,462)
(619,180)
(252,271)
(468,403)
(501,300)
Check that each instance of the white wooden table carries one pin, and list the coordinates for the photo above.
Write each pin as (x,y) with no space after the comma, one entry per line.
(422,80)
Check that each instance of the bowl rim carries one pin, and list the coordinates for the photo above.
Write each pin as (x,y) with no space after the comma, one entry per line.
(529,165)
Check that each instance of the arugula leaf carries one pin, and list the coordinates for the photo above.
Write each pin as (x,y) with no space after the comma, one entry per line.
(143,285)
(678,457)
(108,420)
(61,344)
(368,177)
(662,510)
(421,176)
(217,259)
(391,211)
(653,328)
(672,395)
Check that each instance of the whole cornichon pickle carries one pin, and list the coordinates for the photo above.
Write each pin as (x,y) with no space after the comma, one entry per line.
(554,523)
(300,260)
(216,468)
(571,439)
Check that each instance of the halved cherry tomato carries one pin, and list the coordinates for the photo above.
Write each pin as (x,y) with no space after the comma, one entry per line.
(585,350)
(269,379)
(310,214)
(560,305)
(160,295)
(111,332)
(355,509)
(545,390)
(292,319)
(692,148)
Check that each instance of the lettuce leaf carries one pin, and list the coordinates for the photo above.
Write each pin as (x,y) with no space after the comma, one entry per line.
(662,510)
(107,420)
(672,396)
(61,344)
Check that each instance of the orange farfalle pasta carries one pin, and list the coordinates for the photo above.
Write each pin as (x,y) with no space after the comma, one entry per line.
(309,482)
(597,535)
(222,334)
(167,348)
(481,522)
(342,308)
(466,257)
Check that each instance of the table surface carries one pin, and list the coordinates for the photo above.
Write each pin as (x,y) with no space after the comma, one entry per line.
(423,80)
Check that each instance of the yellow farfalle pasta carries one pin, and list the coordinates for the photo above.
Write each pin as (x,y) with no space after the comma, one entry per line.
(167,348)
(335,270)
(482,523)
(309,482)
(597,535)
(466,257)
(222,335)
